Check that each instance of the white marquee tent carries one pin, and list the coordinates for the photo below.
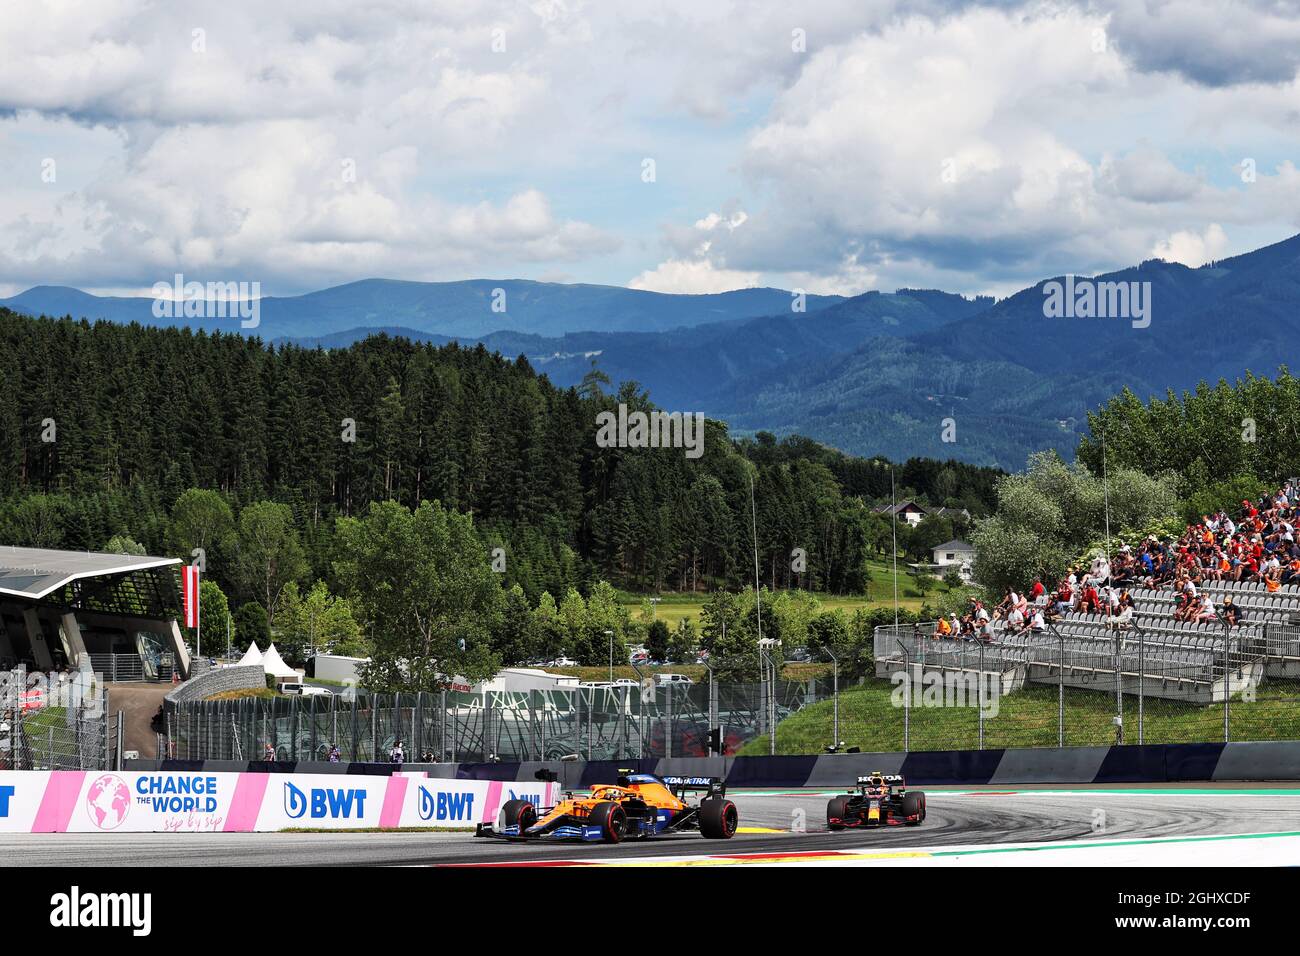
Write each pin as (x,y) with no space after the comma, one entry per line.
(275,666)
(251,656)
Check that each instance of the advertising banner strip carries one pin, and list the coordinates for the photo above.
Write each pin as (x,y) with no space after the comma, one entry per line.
(492,804)
(217,801)
(250,790)
(394,797)
(62,794)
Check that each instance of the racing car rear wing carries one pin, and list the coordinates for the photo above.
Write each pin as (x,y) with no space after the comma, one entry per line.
(713,786)
(893,779)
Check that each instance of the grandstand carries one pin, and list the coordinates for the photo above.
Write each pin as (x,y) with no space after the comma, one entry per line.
(1175,638)
(115,613)
(1189,662)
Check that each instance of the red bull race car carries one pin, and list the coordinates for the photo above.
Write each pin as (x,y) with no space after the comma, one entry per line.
(636,806)
(878,800)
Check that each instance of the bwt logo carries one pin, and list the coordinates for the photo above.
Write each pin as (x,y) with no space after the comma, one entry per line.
(446,806)
(5,794)
(321,802)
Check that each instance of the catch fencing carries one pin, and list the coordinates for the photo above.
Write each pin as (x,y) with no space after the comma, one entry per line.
(1077,684)
(58,721)
(593,723)
(1080,683)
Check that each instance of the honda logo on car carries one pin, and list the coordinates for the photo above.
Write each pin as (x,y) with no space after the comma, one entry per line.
(324,802)
(444,805)
(170,793)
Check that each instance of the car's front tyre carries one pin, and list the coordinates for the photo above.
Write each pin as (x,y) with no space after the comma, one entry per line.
(837,808)
(611,819)
(520,813)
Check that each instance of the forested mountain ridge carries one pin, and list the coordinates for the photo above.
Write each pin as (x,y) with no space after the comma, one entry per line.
(875,374)
(1015,381)
(104,427)
(699,367)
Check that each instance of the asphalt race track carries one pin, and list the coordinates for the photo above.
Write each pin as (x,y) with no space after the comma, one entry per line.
(987,817)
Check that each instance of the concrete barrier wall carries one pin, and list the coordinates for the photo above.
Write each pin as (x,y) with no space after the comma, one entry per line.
(1157,763)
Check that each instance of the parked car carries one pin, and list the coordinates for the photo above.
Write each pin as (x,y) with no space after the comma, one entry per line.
(303,690)
(665,679)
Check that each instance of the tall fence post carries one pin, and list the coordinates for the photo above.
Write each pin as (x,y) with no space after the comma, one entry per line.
(1142,670)
(668,723)
(106,763)
(417,731)
(980,695)
(907,697)
(1119,691)
(835,695)
(1227,685)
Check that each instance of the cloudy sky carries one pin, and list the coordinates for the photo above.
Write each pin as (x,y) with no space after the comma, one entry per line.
(687,146)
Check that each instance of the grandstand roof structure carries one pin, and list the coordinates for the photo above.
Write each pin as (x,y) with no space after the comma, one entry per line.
(34,573)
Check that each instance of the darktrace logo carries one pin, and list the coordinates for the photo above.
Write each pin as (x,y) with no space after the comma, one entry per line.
(321,803)
(76,910)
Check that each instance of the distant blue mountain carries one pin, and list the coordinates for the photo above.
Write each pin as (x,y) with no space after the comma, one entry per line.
(453,309)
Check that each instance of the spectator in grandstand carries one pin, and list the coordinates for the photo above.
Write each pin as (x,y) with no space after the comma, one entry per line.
(1122,619)
(1204,609)
(1232,612)
(1037,623)
(942,628)
(1090,602)
(334,755)
(1064,597)
(1291,573)
(268,753)
(397,755)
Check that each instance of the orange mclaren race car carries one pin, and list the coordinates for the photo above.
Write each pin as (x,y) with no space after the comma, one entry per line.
(636,806)
(879,799)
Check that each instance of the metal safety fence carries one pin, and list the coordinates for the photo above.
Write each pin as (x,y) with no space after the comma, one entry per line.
(1081,683)
(1078,683)
(57,721)
(595,723)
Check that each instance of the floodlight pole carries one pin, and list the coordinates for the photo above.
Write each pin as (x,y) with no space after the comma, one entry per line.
(893,515)
(758,597)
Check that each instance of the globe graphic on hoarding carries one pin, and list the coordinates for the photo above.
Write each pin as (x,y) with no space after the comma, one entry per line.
(107,801)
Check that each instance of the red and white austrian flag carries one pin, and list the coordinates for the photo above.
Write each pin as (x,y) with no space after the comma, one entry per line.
(190,587)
